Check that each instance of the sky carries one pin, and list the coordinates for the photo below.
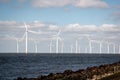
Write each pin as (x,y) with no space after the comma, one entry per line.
(97,19)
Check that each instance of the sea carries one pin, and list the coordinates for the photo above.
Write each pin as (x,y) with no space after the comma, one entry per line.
(13,65)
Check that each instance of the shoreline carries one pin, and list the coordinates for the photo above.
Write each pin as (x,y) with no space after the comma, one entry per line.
(90,73)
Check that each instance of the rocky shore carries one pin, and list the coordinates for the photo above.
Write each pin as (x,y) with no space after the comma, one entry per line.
(91,73)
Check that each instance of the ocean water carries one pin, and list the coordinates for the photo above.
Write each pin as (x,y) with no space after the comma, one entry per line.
(33,65)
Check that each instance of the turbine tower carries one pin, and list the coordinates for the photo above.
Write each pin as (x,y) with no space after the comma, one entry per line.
(114,48)
(17,42)
(36,46)
(76,48)
(100,45)
(57,40)
(90,46)
(17,45)
(76,44)
(62,46)
(90,43)
(71,48)
(51,46)
(26,38)
(108,47)
(86,50)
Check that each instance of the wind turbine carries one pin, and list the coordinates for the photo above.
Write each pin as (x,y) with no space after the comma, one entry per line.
(71,48)
(100,45)
(62,46)
(76,45)
(17,42)
(17,45)
(50,46)
(57,40)
(76,48)
(90,46)
(114,48)
(86,50)
(108,47)
(36,46)
(90,43)
(26,38)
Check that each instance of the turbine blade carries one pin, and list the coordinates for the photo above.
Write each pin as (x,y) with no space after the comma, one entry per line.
(59,32)
(34,32)
(22,37)
(25,25)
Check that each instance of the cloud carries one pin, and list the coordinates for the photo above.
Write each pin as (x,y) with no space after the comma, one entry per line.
(37,24)
(109,28)
(50,3)
(67,28)
(78,27)
(53,27)
(104,31)
(14,24)
(6,25)
(68,31)
(76,3)
(91,3)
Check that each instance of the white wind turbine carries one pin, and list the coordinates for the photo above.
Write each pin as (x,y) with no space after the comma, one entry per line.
(26,38)
(86,50)
(17,42)
(36,45)
(76,48)
(108,47)
(62,46)
(90,43)
(71,48)
(114,48)
(50,46)
(79,49)
(100,45)
(90,46)
(57,40)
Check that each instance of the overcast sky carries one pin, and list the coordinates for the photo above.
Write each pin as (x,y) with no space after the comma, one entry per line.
(98,19)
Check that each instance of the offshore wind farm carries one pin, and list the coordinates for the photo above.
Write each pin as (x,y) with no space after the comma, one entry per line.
(58,42)
(59,39)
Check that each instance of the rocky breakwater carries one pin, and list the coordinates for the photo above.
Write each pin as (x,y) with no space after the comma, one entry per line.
(91,73)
